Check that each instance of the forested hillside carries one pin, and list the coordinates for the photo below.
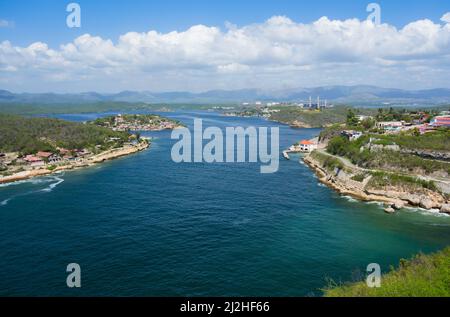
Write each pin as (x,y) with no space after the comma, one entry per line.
(29,135)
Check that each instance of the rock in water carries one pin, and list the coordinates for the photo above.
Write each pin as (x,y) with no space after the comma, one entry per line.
(399,204)
(413,200)
(389,210)
(426,203)
(445,208)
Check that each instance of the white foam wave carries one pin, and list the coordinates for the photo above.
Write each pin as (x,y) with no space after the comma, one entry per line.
(55,182)
(53,185)
(427,212)
(351,199)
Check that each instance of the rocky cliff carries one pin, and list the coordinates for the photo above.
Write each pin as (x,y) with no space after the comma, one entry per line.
(356,182)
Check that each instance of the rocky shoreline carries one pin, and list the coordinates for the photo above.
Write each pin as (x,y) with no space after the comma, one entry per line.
(94,160)
(394,198)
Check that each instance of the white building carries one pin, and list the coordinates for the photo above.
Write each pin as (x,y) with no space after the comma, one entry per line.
(307,146)
(390,125)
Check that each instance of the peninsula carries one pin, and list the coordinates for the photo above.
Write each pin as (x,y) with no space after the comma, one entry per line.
(137,122)
(32,147)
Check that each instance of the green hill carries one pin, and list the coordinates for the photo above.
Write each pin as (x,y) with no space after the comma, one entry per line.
(29,135)
(422,276)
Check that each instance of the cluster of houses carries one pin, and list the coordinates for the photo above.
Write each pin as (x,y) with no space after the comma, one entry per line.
(443,120)
(42,158)
(307,104)
(123,124)
(423,127)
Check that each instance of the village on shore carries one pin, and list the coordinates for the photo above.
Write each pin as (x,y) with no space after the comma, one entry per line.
(137,122)
(43,163)
(17,166)
(350,179)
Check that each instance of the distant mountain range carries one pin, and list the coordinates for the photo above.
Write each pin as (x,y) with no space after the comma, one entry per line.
(336,94)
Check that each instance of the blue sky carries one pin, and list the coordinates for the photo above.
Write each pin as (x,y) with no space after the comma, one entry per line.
(44,20)
(197,45)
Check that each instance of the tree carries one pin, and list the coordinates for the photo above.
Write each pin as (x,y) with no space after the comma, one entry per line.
(368,123)
(351,118)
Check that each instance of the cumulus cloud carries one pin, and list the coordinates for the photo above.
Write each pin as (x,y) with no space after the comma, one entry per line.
(446,18)
(276,53)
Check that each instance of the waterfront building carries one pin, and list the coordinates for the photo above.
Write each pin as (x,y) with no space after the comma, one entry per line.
(307,146)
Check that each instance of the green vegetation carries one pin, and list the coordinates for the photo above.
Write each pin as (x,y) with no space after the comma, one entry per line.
(329,162)
(382,179)
(330,132)
(352,120)
(137,119)
(360,154)
(438,140)
(29,135)
(353,150)
(422,276)
(359,177)
(313,118)
(109,106)
(394,161)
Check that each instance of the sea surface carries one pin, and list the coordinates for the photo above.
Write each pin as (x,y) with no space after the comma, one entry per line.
(144,225)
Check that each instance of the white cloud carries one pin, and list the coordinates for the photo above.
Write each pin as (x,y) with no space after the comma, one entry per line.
(446,18)
(232,68)
(276,53)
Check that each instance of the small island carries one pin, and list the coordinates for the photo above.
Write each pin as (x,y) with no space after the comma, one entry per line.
(137,122)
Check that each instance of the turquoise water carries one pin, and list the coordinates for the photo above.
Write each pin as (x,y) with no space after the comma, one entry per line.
(143,225)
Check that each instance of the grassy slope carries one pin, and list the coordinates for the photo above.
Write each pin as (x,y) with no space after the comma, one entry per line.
(317,119)
(422,276)
(313,118)
(391,160)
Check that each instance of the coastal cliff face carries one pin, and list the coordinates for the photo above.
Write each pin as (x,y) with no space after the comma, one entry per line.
(358,183)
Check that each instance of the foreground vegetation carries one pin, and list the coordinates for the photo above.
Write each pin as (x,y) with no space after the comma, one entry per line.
(421,276)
